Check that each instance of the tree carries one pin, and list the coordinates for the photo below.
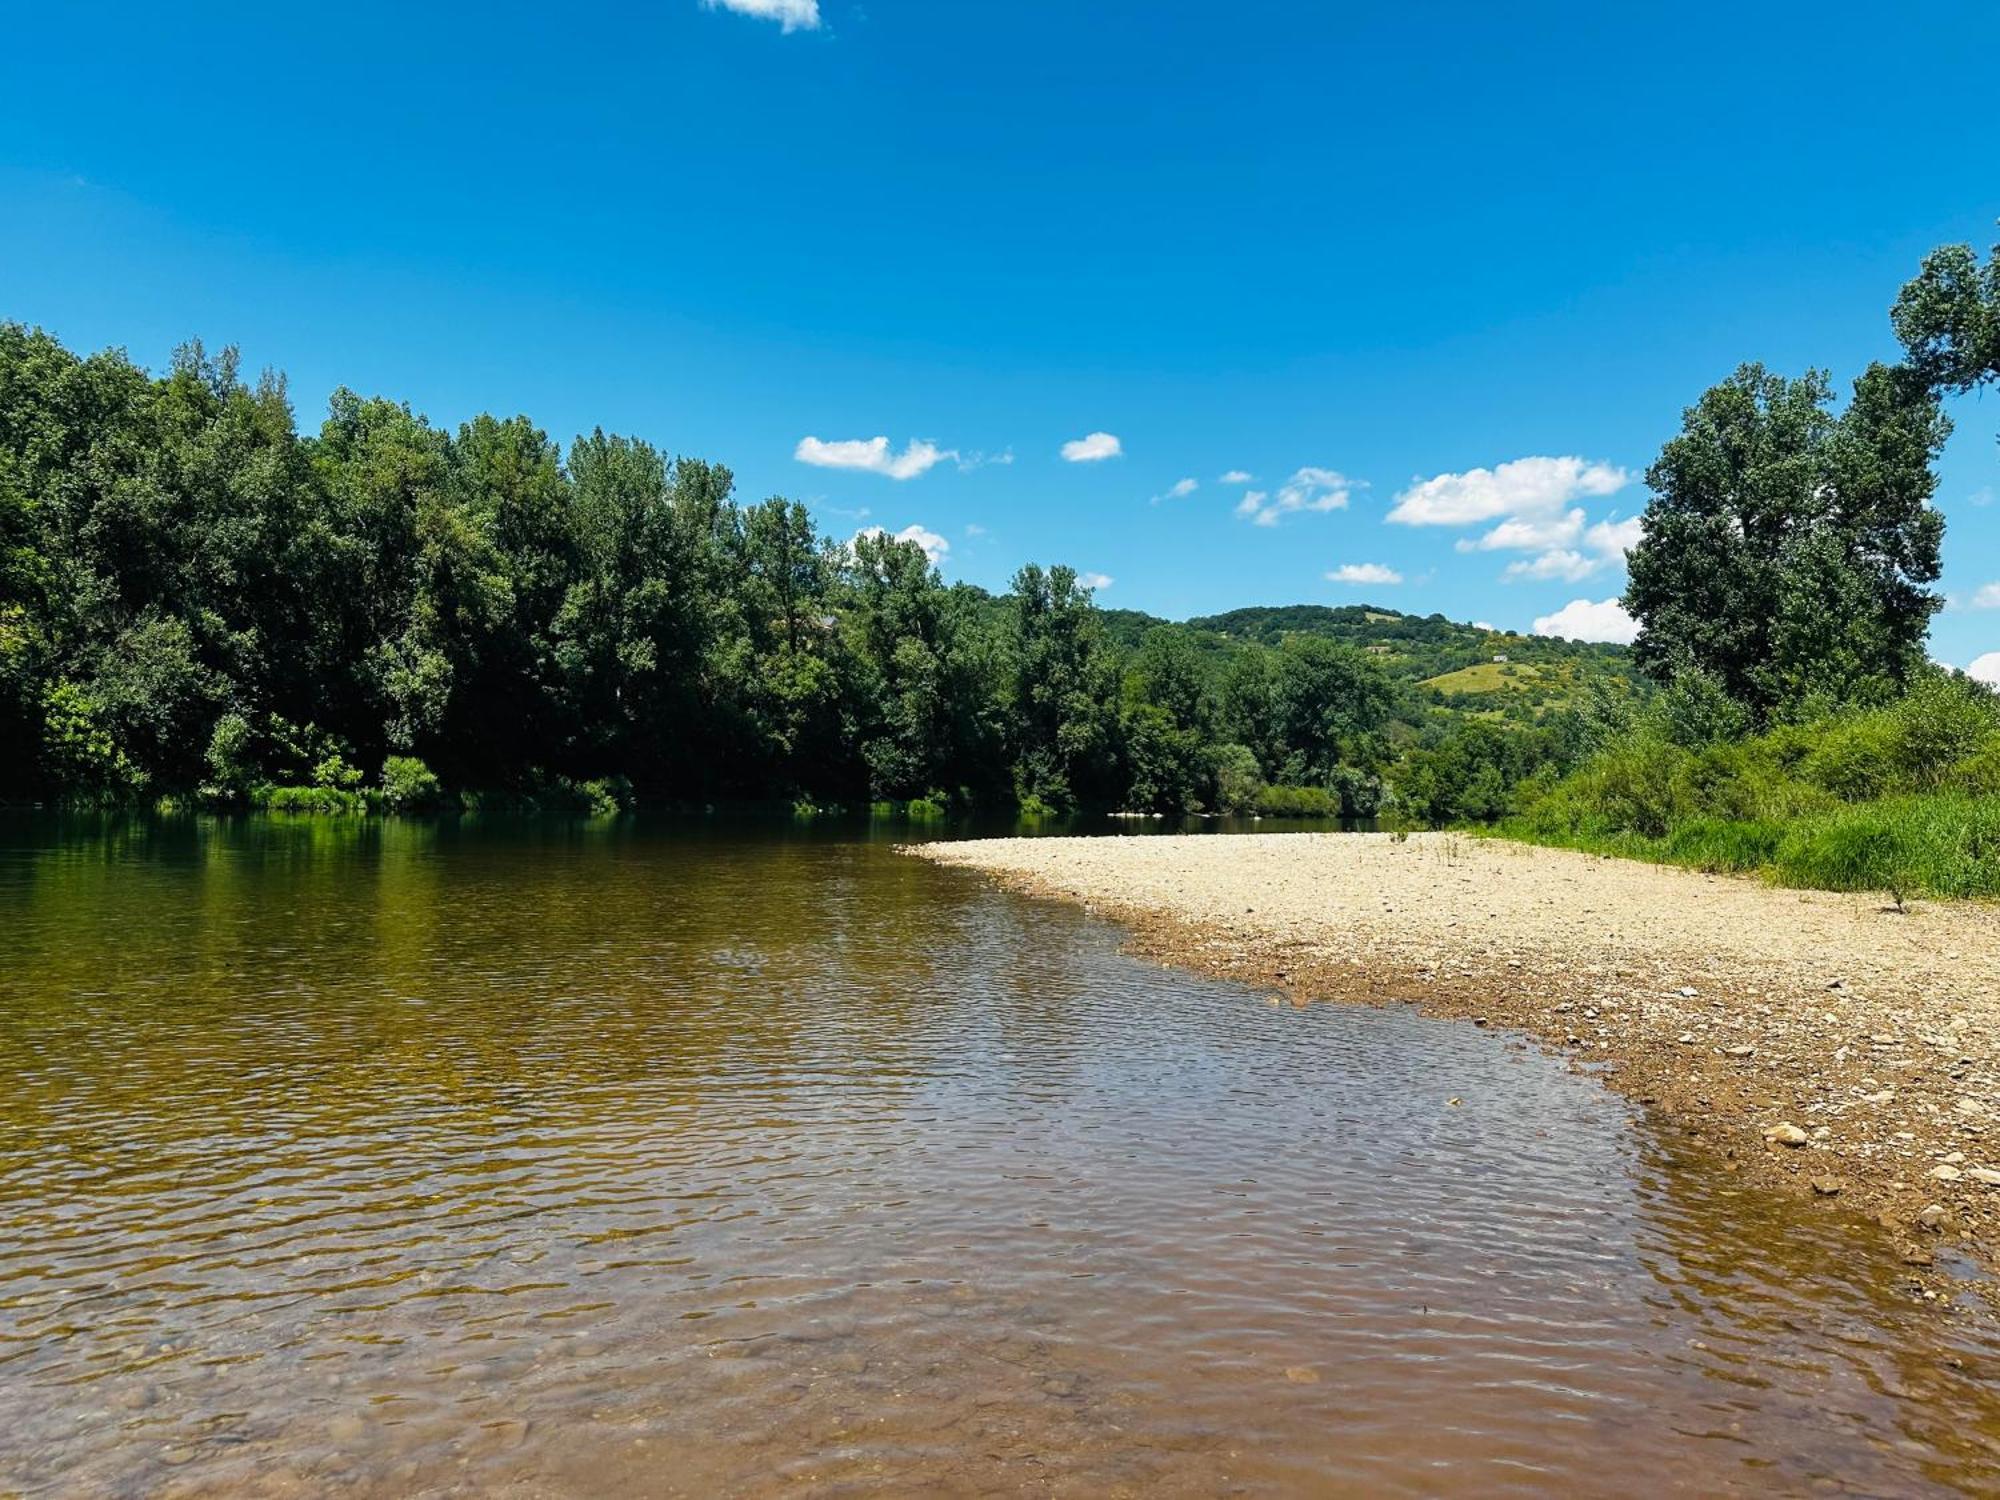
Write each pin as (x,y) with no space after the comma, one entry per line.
(1948,317)
(1167,727)
(21,608)
(1251,715)
(619,630)
(1067,751)
(1330,696)
(1786,550)
(924,690)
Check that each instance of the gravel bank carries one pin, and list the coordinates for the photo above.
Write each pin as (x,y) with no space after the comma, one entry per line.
(1818,1042)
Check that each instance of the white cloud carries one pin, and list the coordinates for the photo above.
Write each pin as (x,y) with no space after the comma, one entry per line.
(1094,581)
(1986,669)
(1529,534)
(1615,538)
(1309,489)
(792,15)
(1524,486)
(1236,476)
(935,547)
(967,462)
(1581,620)
(1180,489)
(1555,539)
(872,456)
(973,528)
(1561,562)
(1088,450)
(1482,625)
(1981,497)
(1364,573)
(1988,597)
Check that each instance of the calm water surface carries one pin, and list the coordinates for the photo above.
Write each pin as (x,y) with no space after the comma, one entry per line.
(544,1158)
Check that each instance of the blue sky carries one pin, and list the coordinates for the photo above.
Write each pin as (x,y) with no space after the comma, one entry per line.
(1440,278)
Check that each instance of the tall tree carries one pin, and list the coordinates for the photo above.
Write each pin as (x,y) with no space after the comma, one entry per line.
(1788,550)
(619,634)
(1948,317)
(923,692)
(1330,696)
(1065,694)
(1168,722)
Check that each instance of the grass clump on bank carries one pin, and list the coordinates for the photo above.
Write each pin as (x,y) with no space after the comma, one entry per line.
(1903,798)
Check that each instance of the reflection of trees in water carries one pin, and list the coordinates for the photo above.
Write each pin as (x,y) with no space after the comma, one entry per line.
(1758,1277)
(217,979)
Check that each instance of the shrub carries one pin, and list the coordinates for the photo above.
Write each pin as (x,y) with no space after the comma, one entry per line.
(1944,719)
(1641,785)
(606,796)
(79,750)
(334,771)
(408,784)
(1856,757)
(1238,779)
(232,762)
(1978,774)
(1696,710)
(1298,802)
(310,799)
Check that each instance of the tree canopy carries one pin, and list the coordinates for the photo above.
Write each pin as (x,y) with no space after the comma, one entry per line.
(202,601)
(1948,317)
(1787,549)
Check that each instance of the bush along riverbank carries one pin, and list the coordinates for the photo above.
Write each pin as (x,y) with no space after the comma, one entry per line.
(1903,799)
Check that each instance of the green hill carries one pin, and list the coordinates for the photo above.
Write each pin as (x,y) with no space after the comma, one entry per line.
(1450,664)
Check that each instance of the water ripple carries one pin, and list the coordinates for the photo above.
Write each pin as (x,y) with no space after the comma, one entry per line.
(530,1158)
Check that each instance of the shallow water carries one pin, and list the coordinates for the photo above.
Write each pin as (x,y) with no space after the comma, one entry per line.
(547,1158)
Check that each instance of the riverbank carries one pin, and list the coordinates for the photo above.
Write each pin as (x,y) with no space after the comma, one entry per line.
(1821,1043)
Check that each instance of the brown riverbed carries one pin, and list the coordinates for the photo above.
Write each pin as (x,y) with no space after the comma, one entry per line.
(547,1159)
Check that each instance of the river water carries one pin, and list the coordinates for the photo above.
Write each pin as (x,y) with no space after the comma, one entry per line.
(519,1157)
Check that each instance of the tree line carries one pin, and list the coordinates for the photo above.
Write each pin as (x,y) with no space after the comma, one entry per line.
(199,601)
(202,602)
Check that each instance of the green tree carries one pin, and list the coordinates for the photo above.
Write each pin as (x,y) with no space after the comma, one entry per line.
(925,676)
(1787,550)
(1948,317)
(1065,711)
(622,640)
(1168,726)
(21,609)
(1330,699)
(1251,713)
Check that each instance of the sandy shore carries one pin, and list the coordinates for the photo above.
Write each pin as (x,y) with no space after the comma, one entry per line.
(1865,1040)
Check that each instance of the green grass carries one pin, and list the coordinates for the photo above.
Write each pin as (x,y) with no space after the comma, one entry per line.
(1297,802)
(1493,677)
(1903,798)
(1945,845)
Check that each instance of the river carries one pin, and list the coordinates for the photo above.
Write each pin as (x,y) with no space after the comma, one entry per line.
(656,1157)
